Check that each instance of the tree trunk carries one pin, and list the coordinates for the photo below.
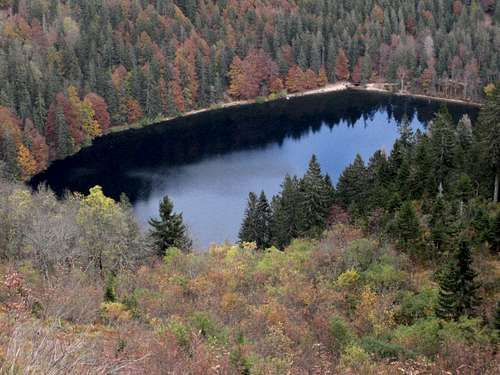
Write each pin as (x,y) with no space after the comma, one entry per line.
(497,181)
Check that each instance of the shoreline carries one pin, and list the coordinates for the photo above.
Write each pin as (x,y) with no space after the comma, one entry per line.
(330,88)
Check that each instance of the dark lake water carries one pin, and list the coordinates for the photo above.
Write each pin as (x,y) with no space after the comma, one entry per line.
(207,163)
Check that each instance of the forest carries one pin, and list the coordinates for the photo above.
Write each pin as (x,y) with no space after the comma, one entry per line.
(72,70)
(392,269)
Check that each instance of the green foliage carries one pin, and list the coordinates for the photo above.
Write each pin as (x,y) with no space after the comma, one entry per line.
(416,306)
(384,349)
(360,254)
(169,230)
(341,333)
(458,290)
(423,337)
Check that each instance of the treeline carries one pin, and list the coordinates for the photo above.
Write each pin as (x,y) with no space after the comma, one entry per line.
(433,185)
(70,70)
(300,209)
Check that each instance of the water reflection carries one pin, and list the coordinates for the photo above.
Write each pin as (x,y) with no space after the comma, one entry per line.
(209,162)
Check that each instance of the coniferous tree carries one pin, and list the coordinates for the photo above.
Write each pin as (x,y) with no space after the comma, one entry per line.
(489,131)
(263,222)
(407,225)
(316,201)
(439,224)
(457,287)
(169,230)
(248,230)
(286,212)
(352,184)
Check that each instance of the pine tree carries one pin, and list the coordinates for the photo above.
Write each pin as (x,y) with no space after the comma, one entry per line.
(248,230)
(286,213)
(317,197)
(169,230)
(407,225)
(263,222)
(457,287)
(351,187)
(439,224)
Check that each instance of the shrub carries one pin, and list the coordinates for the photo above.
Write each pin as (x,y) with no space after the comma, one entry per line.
(202,322)
(384,349)
(466,330)
(422,337)
(360,254)
(340,332)
(417,306)
(384,276)
(356,358)
(348,279)
(114,312)
(180,332)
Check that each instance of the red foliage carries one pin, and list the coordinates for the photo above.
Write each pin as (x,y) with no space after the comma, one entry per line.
(251,77)
(295,80)
(134,113)
(342,66)
(100,107)
(356,72)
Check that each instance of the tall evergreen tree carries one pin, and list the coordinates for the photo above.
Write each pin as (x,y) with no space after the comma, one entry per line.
(489,131)
(316,200)
(248,230)
(169,230)
(458,293)
(263,222)
(286,212)
(407,225)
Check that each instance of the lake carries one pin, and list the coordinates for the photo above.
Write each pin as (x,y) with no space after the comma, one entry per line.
(208,163)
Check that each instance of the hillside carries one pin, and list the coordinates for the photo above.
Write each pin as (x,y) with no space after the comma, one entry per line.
(71,70)
(394,269)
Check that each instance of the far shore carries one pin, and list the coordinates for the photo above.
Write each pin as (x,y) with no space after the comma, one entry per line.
(330,88)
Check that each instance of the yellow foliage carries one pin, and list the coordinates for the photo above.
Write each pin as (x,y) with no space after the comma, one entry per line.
(347,279)
(115,311)
(489,89)
(89,124)
(26,162)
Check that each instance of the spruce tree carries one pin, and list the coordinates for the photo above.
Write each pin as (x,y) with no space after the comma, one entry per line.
(286,213)
(169,230)
(439,224)
(407,225)
(457,286)
(316,199)
(351,187)
(248,230)
(263,222)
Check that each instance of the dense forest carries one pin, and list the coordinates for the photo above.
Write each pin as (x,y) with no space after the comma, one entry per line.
(71,70)
(393,269)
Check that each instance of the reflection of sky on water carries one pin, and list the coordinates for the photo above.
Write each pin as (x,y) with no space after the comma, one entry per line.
(207,163)
(212,193)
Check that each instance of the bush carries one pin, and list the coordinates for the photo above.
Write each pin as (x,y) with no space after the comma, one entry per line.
(360,254)
(422,337)
(180,332)
(340,332)
(356,358)
(384,276)
(417,306)
(466,330)
(114,312)
(260,99)
(383,348)
(348,279)
(202,322)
